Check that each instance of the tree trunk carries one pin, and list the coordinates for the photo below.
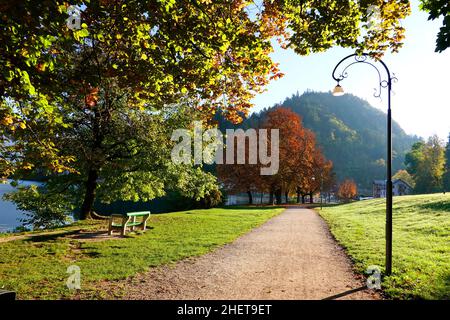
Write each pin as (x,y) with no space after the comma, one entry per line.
(89,196)
(278,196)
(298,191)
(311,200)
(91,183)
(271,197)
(250,197)
(286,195)
(303,198)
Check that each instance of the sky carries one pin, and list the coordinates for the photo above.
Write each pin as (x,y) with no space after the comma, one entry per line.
(420,99)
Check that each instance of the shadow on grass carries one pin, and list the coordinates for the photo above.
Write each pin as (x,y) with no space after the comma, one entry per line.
(446,291)
(52,236)
(436,206)
(92,254)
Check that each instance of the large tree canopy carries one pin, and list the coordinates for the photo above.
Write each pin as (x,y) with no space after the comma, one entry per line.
(426,163)
(70,97)
(159,51)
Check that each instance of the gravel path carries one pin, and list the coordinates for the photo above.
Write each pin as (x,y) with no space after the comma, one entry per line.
(292,256)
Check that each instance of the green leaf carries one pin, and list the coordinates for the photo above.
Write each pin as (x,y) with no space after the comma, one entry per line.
(83,33)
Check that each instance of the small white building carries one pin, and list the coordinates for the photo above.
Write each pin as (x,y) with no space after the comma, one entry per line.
(399,188)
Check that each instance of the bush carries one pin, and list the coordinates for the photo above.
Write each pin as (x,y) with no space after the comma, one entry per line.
(42,208)
(212,199)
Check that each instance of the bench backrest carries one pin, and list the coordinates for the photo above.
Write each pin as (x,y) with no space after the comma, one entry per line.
(138,213)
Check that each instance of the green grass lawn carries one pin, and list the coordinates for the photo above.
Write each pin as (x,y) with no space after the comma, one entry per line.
(421,242)
(36,268)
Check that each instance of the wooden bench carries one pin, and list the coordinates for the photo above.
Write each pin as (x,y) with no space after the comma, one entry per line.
(130,220)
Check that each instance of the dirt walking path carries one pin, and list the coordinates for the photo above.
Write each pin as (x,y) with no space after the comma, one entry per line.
(292,256)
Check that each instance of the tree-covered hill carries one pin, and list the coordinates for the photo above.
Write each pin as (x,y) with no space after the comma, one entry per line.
(351,132)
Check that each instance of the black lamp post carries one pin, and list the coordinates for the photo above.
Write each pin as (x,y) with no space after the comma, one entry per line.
(383,83)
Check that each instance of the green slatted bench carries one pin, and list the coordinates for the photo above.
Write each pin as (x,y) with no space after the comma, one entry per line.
(130,220)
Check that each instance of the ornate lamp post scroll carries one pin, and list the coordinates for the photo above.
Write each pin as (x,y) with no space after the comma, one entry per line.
(383,83)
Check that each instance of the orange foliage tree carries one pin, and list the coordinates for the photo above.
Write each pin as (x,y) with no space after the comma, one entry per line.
(240,178)
(292,156)
(303,169)
(347,190)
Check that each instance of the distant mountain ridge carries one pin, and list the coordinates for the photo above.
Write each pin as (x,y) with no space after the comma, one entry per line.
(351,132)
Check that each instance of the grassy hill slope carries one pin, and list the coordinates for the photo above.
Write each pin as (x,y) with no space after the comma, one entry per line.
(421,242)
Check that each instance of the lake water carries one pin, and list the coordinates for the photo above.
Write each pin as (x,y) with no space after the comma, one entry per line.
(9,215)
